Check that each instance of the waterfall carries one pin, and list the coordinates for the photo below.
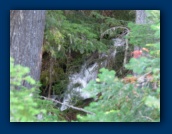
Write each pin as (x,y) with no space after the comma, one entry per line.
(78,81)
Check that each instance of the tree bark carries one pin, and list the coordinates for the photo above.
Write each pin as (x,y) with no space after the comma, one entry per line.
(140,19)
(26,39)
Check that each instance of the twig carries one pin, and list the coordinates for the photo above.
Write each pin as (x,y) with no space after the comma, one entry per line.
(76,108)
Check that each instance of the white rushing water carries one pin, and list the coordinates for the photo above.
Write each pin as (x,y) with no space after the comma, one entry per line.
(78,81)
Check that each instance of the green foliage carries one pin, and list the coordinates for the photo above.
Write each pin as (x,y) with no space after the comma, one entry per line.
(16,81)
(76,30)
(64,34)
(149,63)
(73,35)
(144,65)
(148,33)
(152,101)
(25,104)
(119,102)
(145,34)
(126,102)
(23,108)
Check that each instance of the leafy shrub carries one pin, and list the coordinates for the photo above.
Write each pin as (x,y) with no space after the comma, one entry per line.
(25,104)
(119,102)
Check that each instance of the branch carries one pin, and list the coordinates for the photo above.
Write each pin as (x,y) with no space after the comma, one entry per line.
(113,28)
(76,108)
(126,40)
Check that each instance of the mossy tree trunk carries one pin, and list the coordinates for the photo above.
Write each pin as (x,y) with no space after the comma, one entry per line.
(26,39)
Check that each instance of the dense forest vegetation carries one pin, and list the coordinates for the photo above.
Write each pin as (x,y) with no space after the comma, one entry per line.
(120,49)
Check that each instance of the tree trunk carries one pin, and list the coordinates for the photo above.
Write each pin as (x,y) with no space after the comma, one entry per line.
(140,19)
(26,39)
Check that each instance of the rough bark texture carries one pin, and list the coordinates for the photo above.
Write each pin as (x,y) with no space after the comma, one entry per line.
(26,39)
(140,17)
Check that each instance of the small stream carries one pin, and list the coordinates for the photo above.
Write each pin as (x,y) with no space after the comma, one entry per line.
(78,81)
